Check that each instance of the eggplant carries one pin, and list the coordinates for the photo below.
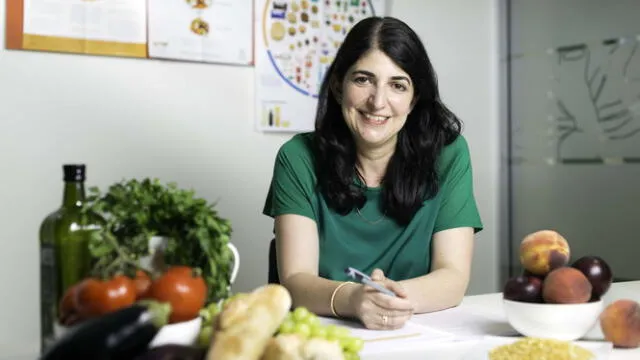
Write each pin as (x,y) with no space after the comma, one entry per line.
(174,352)
(123,334)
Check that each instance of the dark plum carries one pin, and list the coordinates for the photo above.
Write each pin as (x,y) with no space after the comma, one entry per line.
(598,272)
(526,272)
(174,352)
(523,288)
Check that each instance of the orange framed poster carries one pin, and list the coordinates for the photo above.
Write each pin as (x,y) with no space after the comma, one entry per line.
(96,27)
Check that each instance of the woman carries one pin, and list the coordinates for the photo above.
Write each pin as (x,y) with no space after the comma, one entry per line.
(383,184)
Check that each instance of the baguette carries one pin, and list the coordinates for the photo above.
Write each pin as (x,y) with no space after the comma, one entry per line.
(246,324)
(295,347)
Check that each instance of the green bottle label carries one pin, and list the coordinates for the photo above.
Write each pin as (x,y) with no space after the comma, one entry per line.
(48,293)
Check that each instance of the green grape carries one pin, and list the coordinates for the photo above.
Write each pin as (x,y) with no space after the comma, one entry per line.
(331,330)
(329,336)
(213,309)
(301,313)
(314,320)
(204,336)
(233,297)
(207,319)
(351,356)
(337,332)
(351,344)
(302,329)
(287,327)
(318,331)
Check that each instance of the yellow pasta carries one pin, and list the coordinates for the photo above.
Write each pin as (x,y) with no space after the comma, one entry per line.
(540,349)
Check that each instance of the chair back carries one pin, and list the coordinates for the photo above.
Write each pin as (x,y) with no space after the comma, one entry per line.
(274,278)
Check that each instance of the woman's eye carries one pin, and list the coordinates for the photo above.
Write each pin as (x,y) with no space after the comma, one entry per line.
(399,87)
(361,80)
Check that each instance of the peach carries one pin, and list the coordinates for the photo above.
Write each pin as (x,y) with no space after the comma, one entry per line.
(543,251)
(620,323)
(566,285)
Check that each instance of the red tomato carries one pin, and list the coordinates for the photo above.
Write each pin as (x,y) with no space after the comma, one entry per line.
(67,309)
(96,297)
(143,283)
(184,289)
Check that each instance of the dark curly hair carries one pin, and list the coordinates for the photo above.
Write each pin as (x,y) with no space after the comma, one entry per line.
(411,176)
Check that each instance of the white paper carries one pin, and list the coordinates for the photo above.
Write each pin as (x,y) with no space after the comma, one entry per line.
(219,31)
(376,341)
(295,42)
(463,322)
(121,21)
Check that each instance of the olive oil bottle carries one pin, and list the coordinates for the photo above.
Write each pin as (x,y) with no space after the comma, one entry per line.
(64,249)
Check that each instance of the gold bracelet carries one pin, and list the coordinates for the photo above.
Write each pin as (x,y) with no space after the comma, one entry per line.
(333,297)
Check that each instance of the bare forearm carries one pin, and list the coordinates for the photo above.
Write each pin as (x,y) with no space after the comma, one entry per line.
(439,290)
(314,293)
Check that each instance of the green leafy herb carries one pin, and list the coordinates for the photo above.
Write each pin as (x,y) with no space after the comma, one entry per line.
(135,210)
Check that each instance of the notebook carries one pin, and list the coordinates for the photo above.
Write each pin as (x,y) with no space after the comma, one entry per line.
(376,341)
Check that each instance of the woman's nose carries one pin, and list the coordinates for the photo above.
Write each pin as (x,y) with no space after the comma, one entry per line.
(377,98)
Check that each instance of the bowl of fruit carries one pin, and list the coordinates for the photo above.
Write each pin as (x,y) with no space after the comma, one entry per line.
(554,298)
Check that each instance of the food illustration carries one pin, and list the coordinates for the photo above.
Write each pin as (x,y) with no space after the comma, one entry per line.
(301,37)
(199,4)
(278,31)
(199,27)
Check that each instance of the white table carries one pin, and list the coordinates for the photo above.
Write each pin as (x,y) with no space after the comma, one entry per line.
(491,306)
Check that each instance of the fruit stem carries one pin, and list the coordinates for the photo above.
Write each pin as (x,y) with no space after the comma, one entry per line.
(159,311)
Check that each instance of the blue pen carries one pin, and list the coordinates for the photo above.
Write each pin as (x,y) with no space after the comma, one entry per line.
(365,279)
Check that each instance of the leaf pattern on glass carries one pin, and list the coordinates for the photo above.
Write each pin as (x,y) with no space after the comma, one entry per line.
(596,91)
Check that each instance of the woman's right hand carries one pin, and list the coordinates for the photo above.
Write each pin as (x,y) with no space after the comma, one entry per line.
(380,311)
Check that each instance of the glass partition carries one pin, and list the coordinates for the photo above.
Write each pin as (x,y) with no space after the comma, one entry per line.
(574,127)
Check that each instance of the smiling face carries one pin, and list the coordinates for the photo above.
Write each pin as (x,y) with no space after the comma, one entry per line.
(376,100)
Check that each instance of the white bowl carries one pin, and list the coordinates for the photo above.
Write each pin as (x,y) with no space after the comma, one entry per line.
(566,322)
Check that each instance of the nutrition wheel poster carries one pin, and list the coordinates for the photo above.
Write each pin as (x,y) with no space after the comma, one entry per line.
(295,42)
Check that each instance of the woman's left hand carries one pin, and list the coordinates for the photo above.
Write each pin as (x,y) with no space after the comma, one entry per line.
(381,311)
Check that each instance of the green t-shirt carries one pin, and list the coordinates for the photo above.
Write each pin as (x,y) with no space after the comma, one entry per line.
(368,240)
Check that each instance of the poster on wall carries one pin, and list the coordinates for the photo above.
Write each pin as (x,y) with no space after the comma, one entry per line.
(115,27)
(219,31)
(295,42)
(211,31)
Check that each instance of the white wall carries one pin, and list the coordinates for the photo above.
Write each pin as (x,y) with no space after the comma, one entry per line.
(462,41)
(195,127)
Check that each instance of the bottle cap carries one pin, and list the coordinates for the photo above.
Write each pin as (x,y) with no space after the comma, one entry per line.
(74,172)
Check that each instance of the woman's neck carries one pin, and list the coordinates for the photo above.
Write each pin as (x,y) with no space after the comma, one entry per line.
(372,163)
